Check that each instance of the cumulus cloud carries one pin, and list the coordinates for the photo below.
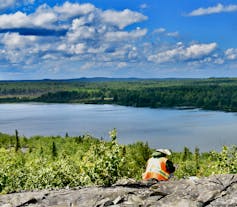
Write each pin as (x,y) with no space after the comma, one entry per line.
(79,32)
(16,20)
(59,18)
(199,50)
(163,32)
(231,53)
(21,20)
(219,8)
(100,37)
(91,37)
(124,35)
(24,50)
(122,19)
(45,17)
(14,40)
(4,4)
(69,10)
(181,53)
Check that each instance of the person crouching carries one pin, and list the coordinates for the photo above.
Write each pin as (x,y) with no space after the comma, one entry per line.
(159,168)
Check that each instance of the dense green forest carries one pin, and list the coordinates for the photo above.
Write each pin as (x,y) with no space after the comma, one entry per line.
(212,93)
(58,162)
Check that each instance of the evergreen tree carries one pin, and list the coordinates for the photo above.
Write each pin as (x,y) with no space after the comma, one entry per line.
(54,150)
(17,146)
(197,158)
(186,154)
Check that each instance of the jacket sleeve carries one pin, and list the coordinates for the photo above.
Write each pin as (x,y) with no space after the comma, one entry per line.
(169,166)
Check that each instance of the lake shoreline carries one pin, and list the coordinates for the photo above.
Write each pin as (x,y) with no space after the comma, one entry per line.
(107,103)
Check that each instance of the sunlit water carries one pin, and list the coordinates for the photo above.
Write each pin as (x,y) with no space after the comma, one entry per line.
(169,128)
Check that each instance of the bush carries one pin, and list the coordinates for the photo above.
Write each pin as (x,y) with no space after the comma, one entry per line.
(56,162)
(226,160)
(101,164)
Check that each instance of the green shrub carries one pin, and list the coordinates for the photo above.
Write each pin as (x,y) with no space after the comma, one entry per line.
(57,162)
(101,164)
(225,161)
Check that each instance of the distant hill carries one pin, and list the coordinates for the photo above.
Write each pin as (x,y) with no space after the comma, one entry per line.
(83,79)
(98,79)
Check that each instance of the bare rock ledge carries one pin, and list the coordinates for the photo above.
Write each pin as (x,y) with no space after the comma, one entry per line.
(213,191)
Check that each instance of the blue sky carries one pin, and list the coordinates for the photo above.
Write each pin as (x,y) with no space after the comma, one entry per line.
(118,38)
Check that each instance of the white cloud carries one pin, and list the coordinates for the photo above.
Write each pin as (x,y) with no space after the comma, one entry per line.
(79,48)
(16,20)
(164,56)
(60,17)
(159,30)
(231,53)
(49,57)
(68,10)
(199,50)
(23,50)
(87,66)
(143,6)
(14,40)
(172,34)
(124,35)
(21,20)
(181,53)
(219,61)
(43,17)
(90,34)
(122,64)
(123,18)
(80,32)
(6,3)
(95,38)
(219,8)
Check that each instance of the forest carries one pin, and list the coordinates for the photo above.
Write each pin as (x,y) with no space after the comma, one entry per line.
(59,162)
(211,94)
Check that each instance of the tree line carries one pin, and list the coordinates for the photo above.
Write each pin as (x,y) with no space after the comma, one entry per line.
(211,94)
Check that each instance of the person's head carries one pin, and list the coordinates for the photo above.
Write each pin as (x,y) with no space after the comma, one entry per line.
(161,153)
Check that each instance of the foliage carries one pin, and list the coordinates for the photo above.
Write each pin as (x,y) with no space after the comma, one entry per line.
(206,164)
(57,162)
(136,156)
(226,161)
(211,94)
(101,164)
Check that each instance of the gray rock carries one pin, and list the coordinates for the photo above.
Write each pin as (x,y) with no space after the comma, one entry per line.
(213,191)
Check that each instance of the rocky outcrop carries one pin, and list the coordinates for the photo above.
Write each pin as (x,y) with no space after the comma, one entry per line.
(214,191)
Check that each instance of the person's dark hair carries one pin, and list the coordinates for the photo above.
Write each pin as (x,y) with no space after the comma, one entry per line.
(169,166)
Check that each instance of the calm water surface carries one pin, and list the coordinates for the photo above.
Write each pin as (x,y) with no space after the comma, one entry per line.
(169,128)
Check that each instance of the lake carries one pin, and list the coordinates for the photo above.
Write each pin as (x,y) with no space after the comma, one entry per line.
(161,128)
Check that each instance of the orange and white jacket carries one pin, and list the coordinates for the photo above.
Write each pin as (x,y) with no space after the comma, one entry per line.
(156,168)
